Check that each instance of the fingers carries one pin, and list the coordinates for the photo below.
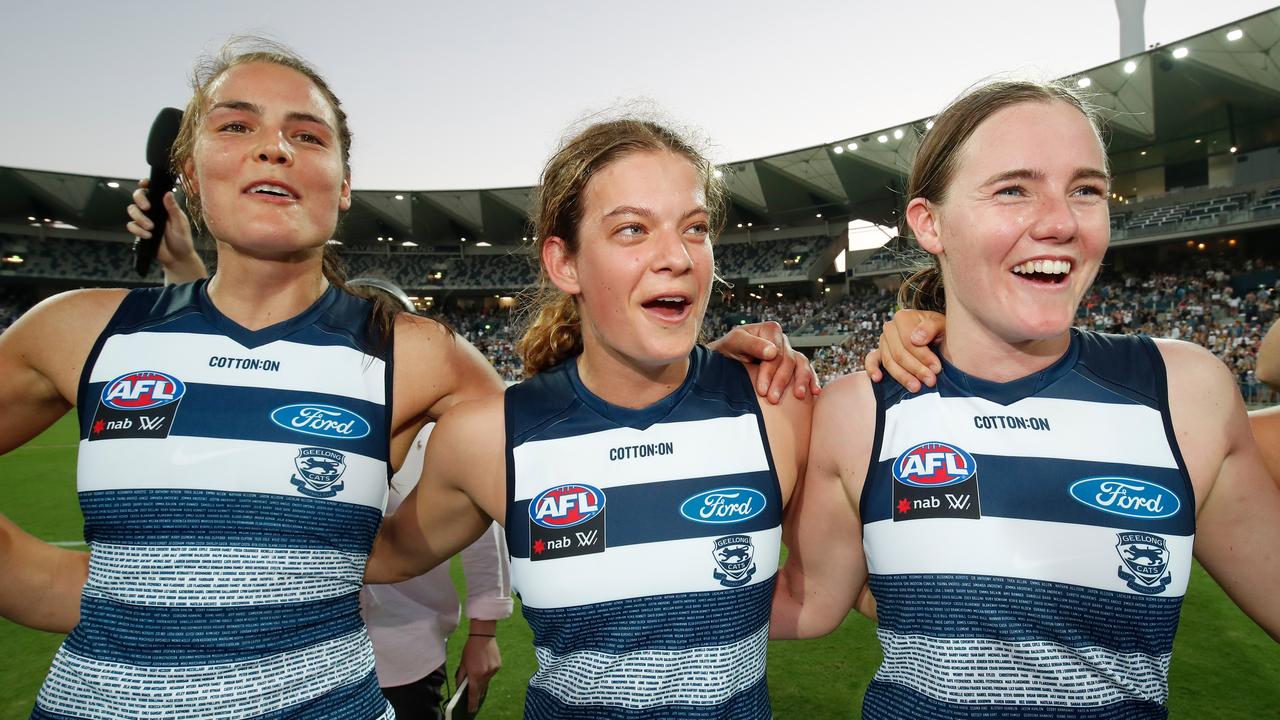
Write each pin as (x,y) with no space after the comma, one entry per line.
(872,365)
(901,363)
(479,686)
(140,196)
(890,365)
(805,381)
(783,371)
(930,330)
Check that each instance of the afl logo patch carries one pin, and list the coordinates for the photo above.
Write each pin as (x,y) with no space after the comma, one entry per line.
(142,390)
(566,505)
(324,420)
(934,465)
(723,505)
(1126,496)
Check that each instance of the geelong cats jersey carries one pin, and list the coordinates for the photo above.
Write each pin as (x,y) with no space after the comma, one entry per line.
(231,483)
(1029,542)
(644,546)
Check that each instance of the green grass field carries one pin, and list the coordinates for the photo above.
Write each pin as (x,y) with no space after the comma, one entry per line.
(1224,666)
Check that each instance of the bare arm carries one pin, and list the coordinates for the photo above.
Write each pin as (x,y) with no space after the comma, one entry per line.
(1266,435)
(1238,514)
(779,365)
(461,492)
(488,599)
(1269,357)
(42,583)
(826,573)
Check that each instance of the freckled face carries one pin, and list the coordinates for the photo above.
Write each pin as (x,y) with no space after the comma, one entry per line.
(644,262)
(1025,223)
(267,162)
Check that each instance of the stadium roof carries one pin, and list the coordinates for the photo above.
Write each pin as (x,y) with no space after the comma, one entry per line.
(1210,94)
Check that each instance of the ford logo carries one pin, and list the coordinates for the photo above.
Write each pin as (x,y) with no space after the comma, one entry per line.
(1126,496)
(724,505)
(323,420)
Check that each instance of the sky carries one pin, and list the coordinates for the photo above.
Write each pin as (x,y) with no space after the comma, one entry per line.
(476,93)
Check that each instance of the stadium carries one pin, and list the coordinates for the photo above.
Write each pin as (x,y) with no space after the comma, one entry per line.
(811,241)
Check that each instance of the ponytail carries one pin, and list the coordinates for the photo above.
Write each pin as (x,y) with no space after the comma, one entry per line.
(554,333)
(923,290)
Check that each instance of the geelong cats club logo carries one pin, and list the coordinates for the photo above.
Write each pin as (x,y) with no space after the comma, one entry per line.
(319,472)
(1147,559)
(735,556)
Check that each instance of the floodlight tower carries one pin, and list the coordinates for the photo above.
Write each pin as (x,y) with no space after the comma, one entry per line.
(1132,36)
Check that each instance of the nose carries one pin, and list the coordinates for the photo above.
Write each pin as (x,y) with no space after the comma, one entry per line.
(672,253)
(1055,220)
(275,149)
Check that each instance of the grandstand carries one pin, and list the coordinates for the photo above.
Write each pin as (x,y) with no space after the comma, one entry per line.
(1194,217)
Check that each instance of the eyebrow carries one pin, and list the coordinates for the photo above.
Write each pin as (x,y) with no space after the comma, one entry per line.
(1028,174)
(246,106)
(647,213)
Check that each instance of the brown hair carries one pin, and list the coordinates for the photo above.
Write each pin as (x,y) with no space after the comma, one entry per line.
(939,156)
(242,50)
(554,330)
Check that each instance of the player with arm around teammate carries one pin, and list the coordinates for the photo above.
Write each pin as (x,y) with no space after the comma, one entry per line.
(1026,525)
(640,483)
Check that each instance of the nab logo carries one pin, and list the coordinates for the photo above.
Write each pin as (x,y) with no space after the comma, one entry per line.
(566,506)
(142,390)
(934,465)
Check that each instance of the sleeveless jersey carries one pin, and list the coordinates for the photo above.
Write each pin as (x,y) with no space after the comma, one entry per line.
(231,483)
(1029,542)
(644,546)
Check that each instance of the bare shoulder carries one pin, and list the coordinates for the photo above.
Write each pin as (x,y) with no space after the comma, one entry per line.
(844,430)
(848,392)
(1197,378)
(468,446)
(54,337)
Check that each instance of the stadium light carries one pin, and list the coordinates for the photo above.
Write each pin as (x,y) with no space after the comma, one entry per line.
(463,239)
(1197,141)
(331,241)
(739,224)
(483,244)
(1235,35)
(379,238)
(113,184)
(1234,148)
(1083,82)
(818,215)
(852,146)
(1180,53)
(1130,67)
(32,218)
(837,149)
(749,224)
(399,197)
(1144,152)
(409,243)
(883,138)
(897,134)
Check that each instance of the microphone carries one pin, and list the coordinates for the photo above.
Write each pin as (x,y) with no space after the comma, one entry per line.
(159,145)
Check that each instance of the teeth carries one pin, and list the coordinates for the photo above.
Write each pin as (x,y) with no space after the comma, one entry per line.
(271,190)
(1046,267)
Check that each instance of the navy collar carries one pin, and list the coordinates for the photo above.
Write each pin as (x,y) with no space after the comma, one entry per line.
(257,338)
(637,418)
(1008,393)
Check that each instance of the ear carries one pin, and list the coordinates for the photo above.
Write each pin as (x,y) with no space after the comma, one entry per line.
(561,265)
(922,217)
(189,183)
(344,195)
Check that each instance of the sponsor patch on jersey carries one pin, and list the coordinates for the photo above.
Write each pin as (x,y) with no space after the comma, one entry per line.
(139,404)
(935,480)
(735,560)
(565,521)
(328,421)
(1126,496)
(724,505)
(1146,557)
(319,472)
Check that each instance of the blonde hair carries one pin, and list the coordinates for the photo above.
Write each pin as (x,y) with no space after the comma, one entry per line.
(938,158)
(553,330)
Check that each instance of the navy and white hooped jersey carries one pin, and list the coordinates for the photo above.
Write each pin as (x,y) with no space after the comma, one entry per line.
(1029,542)
(644,546)
(232,483)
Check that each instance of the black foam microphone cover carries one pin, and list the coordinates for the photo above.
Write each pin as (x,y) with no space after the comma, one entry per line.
(159,145)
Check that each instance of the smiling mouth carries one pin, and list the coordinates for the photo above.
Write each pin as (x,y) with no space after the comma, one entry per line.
(270,190)
(669,307)
(1044,272)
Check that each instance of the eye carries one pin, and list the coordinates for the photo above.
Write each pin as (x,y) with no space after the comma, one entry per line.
(1091,191)
(631,230)
(311,138)
(699,228)
(1011,191)
(234,126)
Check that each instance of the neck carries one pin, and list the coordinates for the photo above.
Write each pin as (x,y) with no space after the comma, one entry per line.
(620,381)
(257,293)
(980,352)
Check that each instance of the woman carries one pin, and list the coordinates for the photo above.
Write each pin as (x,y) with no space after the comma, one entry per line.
(1028,522)
(241,428)
(640,483)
